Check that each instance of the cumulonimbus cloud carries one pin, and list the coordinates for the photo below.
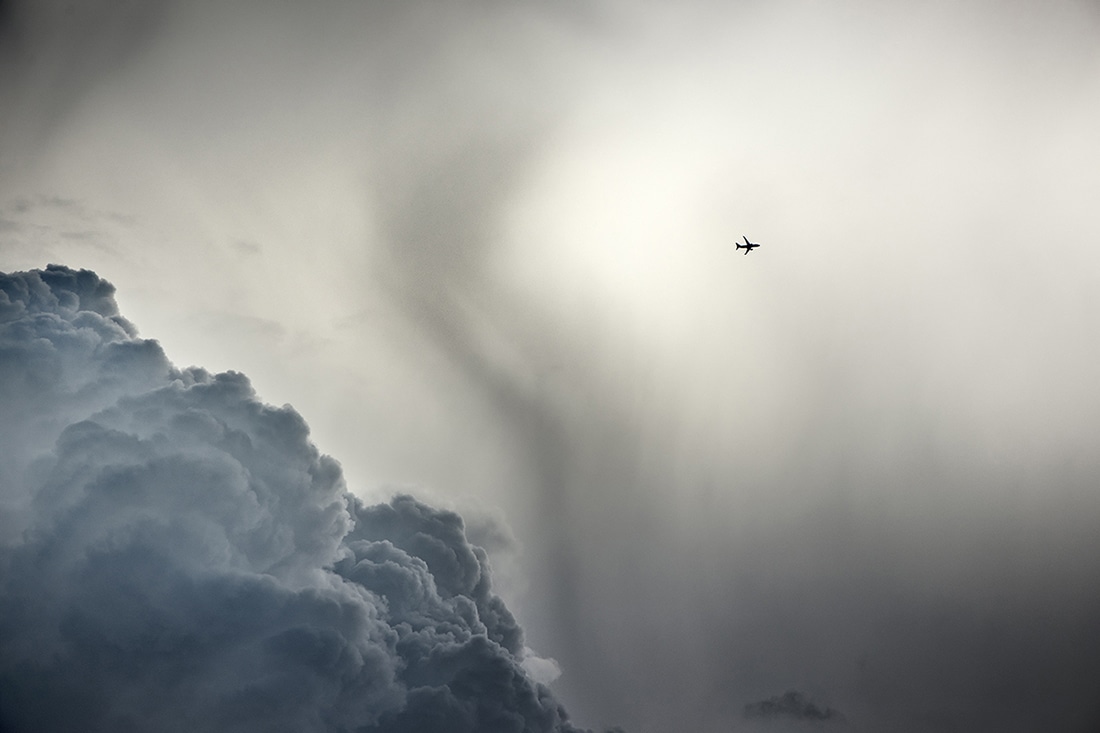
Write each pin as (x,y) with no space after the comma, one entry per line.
(177,555)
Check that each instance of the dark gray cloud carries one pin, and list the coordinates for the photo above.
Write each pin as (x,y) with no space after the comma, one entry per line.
(177,555)
(792,705)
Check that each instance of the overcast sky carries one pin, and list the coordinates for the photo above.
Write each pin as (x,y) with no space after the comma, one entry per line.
(486,249)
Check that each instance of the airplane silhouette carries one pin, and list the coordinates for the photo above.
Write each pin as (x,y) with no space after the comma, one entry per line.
(747,246)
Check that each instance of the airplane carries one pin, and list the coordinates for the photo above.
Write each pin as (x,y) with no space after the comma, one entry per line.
(747,246)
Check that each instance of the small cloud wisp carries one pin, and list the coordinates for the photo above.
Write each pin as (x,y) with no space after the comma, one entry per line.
(791,705)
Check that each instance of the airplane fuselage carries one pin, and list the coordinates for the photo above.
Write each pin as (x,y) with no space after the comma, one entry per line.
(747,246)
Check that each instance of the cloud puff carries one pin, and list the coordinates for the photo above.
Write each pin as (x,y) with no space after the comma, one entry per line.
(176,555)
(791,705)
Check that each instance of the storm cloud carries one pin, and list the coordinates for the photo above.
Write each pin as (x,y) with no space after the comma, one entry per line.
(177,555)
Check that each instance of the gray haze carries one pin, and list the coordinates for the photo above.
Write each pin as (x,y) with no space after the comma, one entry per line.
(486,250)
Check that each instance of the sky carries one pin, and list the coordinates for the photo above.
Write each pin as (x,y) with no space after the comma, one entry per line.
(486,251)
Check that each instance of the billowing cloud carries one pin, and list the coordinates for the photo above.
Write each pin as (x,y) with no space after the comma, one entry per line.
(178,556)
(791,705)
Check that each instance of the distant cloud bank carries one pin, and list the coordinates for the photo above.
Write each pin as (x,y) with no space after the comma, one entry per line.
(176,555)
(791,705)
